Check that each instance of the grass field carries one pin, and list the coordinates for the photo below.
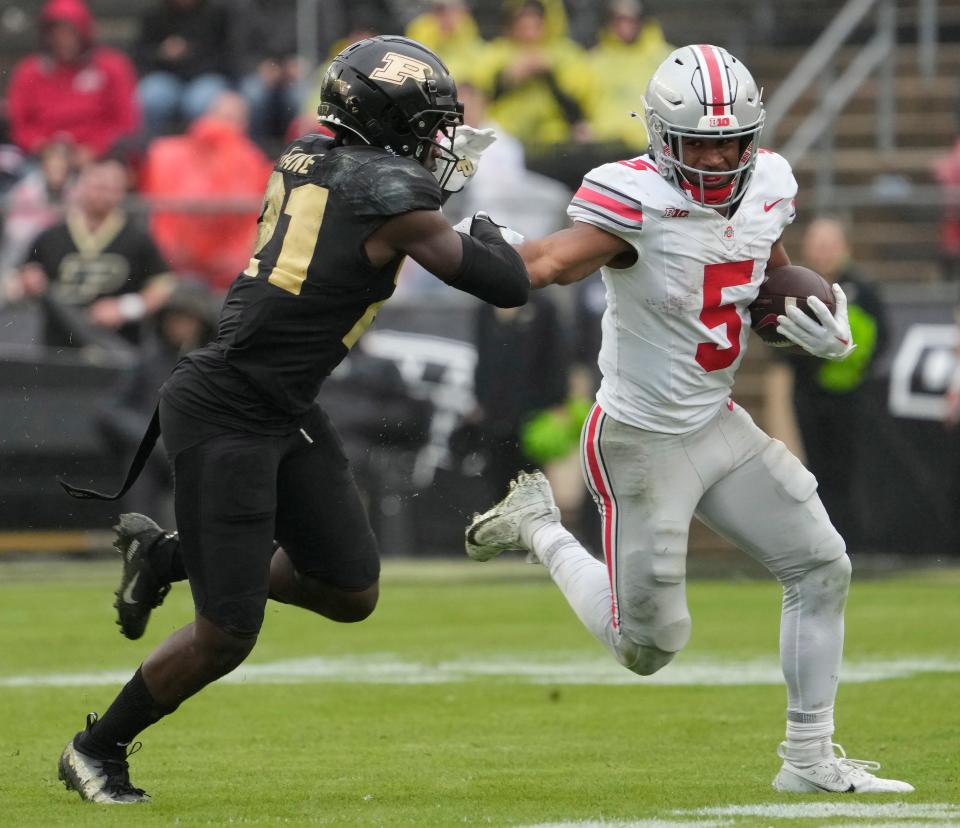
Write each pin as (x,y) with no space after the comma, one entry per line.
(473,697)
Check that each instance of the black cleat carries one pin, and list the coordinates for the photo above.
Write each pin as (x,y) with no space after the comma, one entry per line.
(104,781)
(140,590)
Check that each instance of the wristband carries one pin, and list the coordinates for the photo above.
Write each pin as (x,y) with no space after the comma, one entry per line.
(132,307)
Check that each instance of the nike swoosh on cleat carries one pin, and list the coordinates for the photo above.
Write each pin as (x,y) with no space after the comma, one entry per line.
(128,592)
(768,207)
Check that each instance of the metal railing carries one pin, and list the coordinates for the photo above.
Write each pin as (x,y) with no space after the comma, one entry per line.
(817,69)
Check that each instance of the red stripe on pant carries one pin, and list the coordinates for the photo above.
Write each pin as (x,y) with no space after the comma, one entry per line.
(600,486)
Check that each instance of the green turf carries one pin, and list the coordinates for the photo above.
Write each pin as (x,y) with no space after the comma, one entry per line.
(483,751)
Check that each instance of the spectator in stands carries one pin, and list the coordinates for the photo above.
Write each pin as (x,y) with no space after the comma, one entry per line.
(947,171)
(36,202)
(12,159)
(631,47)
(212,179)
(831,397)
(97,270)
(449,29)
(541,86)
(72,87)
(185,61)
(272,73)
(186,320)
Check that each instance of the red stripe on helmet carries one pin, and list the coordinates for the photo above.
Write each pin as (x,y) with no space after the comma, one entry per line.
(716,79)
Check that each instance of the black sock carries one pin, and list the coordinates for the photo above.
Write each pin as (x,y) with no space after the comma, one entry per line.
(166,560)
(132,711)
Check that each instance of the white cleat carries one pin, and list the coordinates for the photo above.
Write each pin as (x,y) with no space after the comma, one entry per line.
(498,529)
(835,774)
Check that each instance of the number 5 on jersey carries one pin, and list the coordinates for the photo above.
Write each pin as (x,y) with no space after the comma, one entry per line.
(710,356)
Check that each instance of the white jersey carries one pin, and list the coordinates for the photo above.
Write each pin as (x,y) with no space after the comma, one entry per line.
(676,323)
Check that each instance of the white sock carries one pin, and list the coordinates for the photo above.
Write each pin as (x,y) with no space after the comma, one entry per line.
(809,736)
(582,579)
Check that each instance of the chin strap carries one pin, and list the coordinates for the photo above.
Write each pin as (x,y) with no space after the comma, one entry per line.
(707,195)
(716,195)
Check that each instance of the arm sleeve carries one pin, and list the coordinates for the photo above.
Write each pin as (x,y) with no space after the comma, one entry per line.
(491,269)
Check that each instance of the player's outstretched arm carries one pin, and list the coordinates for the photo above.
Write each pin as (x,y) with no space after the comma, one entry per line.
(570,255)
(481,263)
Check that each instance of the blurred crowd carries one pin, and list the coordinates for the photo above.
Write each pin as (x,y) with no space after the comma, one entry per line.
(210,91)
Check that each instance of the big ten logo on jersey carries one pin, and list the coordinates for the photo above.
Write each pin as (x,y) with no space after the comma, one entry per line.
(675,212)
(399,68)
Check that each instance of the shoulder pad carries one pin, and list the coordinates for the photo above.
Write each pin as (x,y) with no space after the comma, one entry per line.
(774,186)
(314,143)
(612,197)
(773,171)
(374,183)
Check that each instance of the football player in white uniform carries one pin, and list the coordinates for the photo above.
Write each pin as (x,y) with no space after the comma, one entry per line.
(683,236)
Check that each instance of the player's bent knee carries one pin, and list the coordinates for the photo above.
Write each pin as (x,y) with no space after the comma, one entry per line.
(222,649)
(835,577)
(348,606)
(357,606)
(645,658)
(649,660)
(642,659)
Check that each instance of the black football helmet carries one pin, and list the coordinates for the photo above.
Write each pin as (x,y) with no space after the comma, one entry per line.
(397,94)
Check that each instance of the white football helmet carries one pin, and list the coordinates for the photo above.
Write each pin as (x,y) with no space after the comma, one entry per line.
(703,91)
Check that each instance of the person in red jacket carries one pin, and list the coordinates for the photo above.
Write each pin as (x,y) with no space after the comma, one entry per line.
(72,87)
(204,188)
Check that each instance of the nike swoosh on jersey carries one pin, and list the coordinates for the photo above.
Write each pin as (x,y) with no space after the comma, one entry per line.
(768,207)
(128,592)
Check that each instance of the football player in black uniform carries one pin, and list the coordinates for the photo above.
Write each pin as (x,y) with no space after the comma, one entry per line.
(265,501)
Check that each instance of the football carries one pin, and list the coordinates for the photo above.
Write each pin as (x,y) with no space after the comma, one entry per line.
(787,285)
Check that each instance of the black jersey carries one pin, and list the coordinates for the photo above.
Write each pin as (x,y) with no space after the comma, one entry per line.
(83,266)
(309,292)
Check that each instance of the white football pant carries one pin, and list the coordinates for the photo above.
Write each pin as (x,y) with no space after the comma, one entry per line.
(747,487)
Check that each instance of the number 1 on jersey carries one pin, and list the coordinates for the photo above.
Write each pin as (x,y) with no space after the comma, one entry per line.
(710,356)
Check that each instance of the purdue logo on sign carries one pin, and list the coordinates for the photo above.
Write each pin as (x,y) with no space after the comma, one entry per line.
(397,68)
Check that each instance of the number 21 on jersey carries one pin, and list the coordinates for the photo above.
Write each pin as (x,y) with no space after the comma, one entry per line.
(303,207)
(716,277)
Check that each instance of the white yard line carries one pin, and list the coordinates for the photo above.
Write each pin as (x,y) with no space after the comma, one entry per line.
(832,809)
(387,668)
(894,814)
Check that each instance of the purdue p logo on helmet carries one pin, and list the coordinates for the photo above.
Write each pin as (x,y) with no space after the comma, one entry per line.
(398,68)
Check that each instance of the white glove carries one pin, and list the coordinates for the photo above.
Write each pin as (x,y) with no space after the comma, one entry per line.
(468,146)
(830,338)
(466,225)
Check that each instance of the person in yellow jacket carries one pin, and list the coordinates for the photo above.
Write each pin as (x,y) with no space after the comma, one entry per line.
(448,28)
(630,48)
(540,83)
